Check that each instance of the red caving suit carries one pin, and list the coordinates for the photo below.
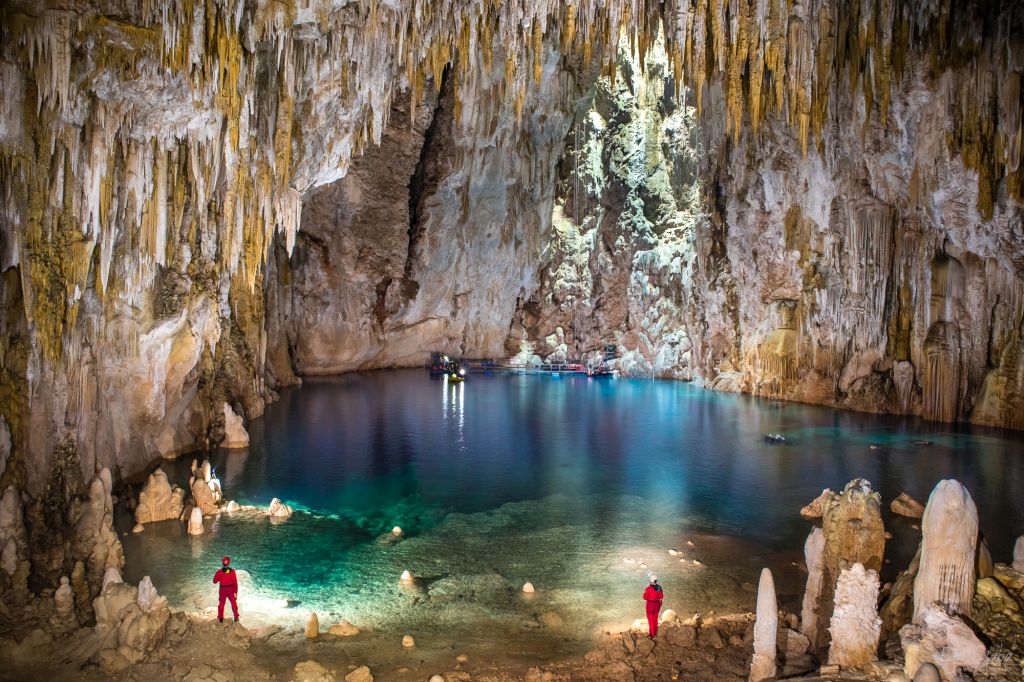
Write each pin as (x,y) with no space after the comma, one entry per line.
(228,590)
(653,595)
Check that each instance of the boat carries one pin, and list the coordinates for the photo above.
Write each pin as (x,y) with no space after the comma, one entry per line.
(596,372)
(456,373)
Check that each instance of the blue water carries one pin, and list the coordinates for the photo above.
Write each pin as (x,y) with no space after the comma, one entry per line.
(561,481)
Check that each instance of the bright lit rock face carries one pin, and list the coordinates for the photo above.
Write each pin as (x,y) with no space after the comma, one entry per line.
(815,200)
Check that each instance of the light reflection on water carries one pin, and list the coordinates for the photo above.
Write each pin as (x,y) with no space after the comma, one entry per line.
(596,471)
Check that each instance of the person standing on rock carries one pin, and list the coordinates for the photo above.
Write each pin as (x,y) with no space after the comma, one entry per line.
(653,595)
(227,577)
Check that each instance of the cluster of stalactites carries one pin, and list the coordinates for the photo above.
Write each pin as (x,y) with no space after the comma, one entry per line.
(232,88)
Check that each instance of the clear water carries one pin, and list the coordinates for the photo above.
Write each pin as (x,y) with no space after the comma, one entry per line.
(571,483)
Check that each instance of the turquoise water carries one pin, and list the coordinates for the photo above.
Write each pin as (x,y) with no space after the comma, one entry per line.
(570,483)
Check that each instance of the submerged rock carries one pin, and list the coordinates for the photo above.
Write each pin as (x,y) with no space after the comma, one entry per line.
(312,626)
(905,505)
(408,641)
(360,674)
(343,628)
(279,510)
(311,671)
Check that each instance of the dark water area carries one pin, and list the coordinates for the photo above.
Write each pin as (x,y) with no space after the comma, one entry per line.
(570,482)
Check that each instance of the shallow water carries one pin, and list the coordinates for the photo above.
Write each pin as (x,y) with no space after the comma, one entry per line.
(571,483)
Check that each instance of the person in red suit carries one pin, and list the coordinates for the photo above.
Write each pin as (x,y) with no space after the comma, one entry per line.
(227,577)
(653,595)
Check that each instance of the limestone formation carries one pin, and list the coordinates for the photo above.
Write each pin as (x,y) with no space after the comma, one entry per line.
(814,549)
(905,505)
(360,674)
(96,542)
(949,540)
(898,608)
(235,435)
(195,522)
(278,510)
(853,533)
(528,588)
(64,607)
(312,626)
(927,673)
(126,631)
(343,628)
(158,501)
(815,508)
(311,671)
(855,626)
(762,666)
(943,640)
(13,547)
(408,641)
(149,599)
(203,496)
(1018,554)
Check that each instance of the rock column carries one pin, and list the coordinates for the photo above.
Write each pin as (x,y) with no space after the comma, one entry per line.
(762,667)
(855,626)
(813,549)
(949,541)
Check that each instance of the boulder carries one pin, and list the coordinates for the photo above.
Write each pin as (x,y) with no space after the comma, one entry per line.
(343,628)
(943,640)
(158,501)
(360,674)
(815,507)
(311,671)
(313,626)
(814,548)
(853,530)
(855,626)
(905,505)
(195,522)
(235,435)
(1018,554)
(279,510)
(948,544)
(762,665)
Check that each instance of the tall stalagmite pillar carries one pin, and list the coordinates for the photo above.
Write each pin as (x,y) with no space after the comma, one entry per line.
(948,545)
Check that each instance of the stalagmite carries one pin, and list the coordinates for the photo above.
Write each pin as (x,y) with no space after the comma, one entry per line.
(813,550)
(96,542)
(203,497)
(14,543)
(949,540)
(1018,554)
(853,533)
(235,435)
(762,666)
(64,606)
(528,588)
(158,501)
(312,626)
(149,599)
(408,641)
(855,626)
(195,522)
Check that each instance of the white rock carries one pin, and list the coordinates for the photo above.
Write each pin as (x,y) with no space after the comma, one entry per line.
(111,577)
(669,616)
(814,550)
(279,510)
(1018,554)
(195,522)
(397,532)
(158,501)
(942,640)
(149,599)
(762,666)
(235,435)
(948,544)
(528,588)
(855,626)
(232,506)
(408,642)
(312,626)
(406,576)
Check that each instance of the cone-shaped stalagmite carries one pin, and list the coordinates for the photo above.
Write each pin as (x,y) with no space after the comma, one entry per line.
(1018,554)
(762,667)
(813,549)
(949,540)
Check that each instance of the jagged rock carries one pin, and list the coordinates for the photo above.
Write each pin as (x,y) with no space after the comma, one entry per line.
(360,674)
(311,671)
(278,510)
(984,565)
(1018,554)
(96,542)
(999,614)
(1009,578)
(149,599)
(195,522)
(905,505)
(949,535)
(235,435)
(793,643)
(814,549)
(158,501)
(203,496)
(855,627)
(343,628)
(853,531)
(312,626)
(762,666)
(942,640)
(815,508)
